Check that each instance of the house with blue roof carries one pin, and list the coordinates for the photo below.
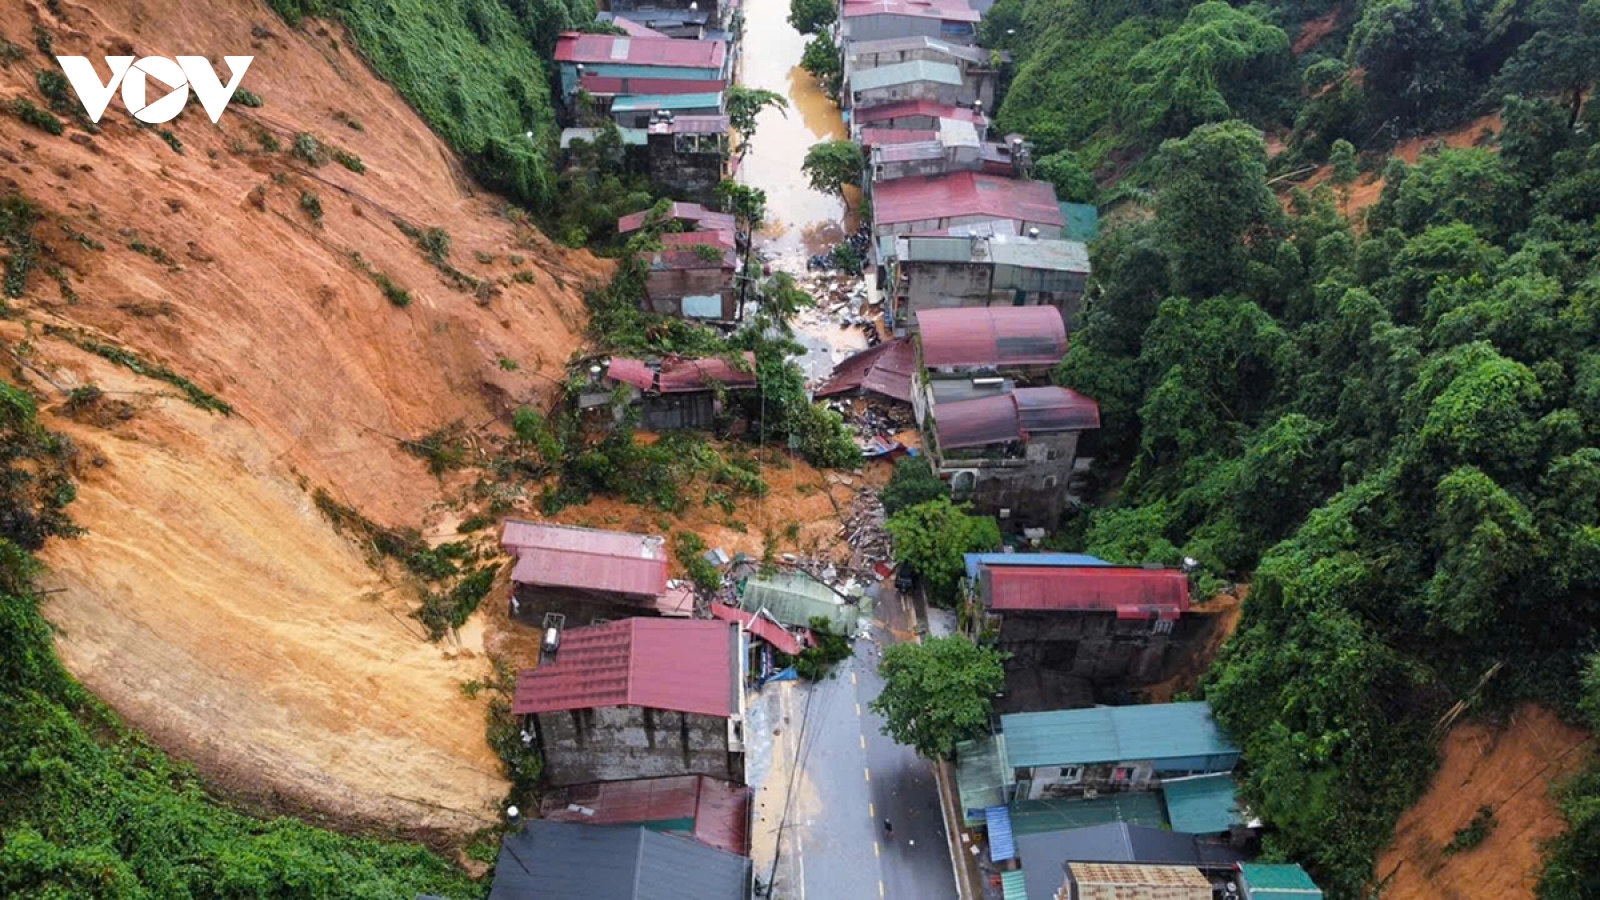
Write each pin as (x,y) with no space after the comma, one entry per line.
(1089,752)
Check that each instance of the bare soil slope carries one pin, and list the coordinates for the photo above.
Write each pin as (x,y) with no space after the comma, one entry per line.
(1509,769)
(209,602)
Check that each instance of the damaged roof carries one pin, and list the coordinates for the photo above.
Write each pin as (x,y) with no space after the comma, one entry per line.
(703,219)
(1131,592)
(933,197)
(586,558)
(992,336)
(685,665)
(931,108)
(760,626)
(886,369)
(675,375)
(712,811)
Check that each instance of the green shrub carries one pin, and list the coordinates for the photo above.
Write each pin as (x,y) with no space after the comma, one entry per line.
(814,663)
(349,161)
(23,109)
(311,204)
(308,149)
(689,550)
(134,363)
(246,97)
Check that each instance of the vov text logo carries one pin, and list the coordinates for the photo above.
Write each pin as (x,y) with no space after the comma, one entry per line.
(176,78)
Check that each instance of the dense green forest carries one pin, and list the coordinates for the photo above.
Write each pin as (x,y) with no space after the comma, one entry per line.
(1097,84)
(1390,428)
(88,808)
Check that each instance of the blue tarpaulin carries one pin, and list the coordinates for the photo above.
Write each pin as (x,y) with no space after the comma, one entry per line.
(1002,846)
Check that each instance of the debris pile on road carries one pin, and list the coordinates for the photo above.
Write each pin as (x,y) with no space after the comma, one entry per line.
(871,552)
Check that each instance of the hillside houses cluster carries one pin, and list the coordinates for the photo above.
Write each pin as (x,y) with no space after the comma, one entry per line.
(637,702)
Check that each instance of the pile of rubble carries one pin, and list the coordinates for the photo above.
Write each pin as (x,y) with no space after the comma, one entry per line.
(870,551)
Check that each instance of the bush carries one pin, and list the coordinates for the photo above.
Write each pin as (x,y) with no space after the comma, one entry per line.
(246,97)
(913,483)
(23,109)
(311,204)
(689,550)
(933,538)
(814,663)
(308,149)
(349,161)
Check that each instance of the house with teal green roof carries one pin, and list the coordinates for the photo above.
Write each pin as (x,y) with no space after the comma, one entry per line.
(1085,752)
(1277,881)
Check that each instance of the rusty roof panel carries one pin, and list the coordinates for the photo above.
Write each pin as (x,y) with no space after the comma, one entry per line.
(1129,591)
(992,336)
(680,375)
(886,369)
(589,558)
(685,665)
(760,626)
(932,197)
(943,10)
(713,812)
(932,109)
(1046,409)
(703,219)
(631,371)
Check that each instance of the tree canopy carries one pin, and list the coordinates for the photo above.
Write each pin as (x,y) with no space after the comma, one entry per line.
(932,537)
(832,166)
(938,693)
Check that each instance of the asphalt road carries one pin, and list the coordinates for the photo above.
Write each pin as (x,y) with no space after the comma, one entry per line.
(834,846)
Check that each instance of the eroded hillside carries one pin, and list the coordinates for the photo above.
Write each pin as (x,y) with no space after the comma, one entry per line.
(209,601)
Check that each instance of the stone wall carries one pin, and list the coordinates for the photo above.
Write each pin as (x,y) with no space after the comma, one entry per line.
(627,742)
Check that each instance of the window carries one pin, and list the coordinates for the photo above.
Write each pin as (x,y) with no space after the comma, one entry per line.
(1071,774)
(963,483)
(1122,775)
(1049,482)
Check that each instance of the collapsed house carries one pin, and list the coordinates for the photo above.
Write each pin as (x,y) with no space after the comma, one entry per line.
(668,393)
(713,812)
(638,698)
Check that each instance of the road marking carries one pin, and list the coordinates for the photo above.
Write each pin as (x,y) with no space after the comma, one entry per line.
(863,742)
(852,676)
(858,710)
(877,850)
(880,887)
(872,810)
(867,772)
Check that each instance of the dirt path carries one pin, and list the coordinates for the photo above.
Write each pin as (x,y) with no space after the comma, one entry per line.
(1510,769)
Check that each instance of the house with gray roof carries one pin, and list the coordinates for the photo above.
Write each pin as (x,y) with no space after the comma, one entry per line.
(568,861)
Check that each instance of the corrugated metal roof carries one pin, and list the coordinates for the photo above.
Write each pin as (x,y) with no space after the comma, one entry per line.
(976,560)
(658,17)
(1120,842)
(1129,591)
(610,86)
(1013,886)
(1201,804)
(636,372)
(566,861)
(1107,881)
(858,49)
(886,369)
(632,137)
(1047,254)
(569,556)
(685,260)
(713,812)
(1002,846)
(977,423)
(1278,881)
(945,11)
(932,109)
(634,29)
(982,775)
(693,213)
(932,197)
(684,665)
(888,137)
(958,133)
(760,626)
(647,102)
(1106,734)
(890,153)
(722,240)
(692,125)
(675,375)
(573,47)
(1041,816)
(905,73)
(794,598)
(1042,410)
(991,336)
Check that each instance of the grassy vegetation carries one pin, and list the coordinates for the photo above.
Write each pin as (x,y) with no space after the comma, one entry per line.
(93,810)
(349,160)
(192,392)
(392,292)
(475,70)
(25,110)
(17,220)
(311,205)
(246,97)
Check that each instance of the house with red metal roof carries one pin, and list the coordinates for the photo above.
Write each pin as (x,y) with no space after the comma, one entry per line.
(933,202)
(716,813)
(668,393)
(1079,631)
(887,370)
(638,698)
(690,216)
(585,574)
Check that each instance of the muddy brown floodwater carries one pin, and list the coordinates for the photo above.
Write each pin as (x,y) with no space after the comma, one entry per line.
(800,221)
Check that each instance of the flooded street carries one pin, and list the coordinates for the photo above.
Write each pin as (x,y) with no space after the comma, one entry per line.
(800,221)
